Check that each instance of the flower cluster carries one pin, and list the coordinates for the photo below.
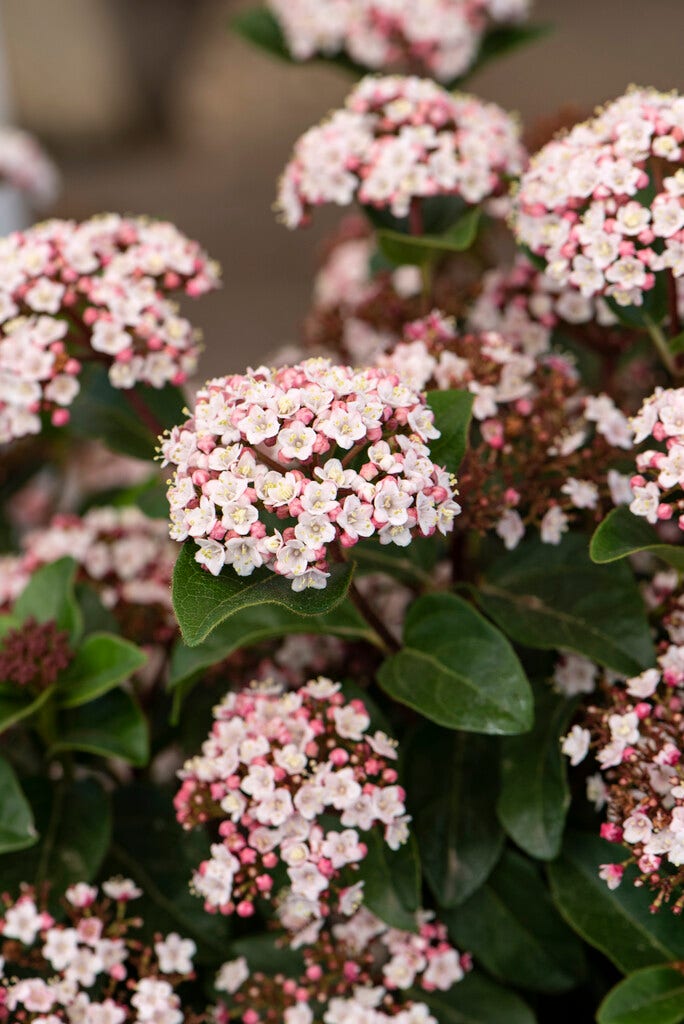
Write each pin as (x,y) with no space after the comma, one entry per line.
(98,291)
(92,968)
(604,204)
(360,970)
(25,166)
(34,654)
(635,733)
(438,38)
(286,442)
(658,484)
(125,555)
(273,764)
(397,140)
(542,449)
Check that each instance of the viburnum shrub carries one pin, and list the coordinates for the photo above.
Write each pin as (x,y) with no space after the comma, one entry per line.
(348,687)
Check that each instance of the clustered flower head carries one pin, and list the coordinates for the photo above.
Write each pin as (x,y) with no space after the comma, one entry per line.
(658,484)
(25,166)
(438,38)
(604,204)
(99,291)
(33,654)
(634,729)
(273,765)
(541,451)
(336,454)
(359,970)
(91,965)
(526,306)
(124,554)
(401,139)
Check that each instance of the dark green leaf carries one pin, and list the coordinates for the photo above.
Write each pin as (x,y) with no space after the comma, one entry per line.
(512,928)
(677,344)
(49,597)
(534,792)
(622,534)
(112,726)
(418,250)
(458,670)
(501,41)
(453,412)
(546,596)
(619,923)
(16,705)
(102,661)
(202,601)
(391,881)
(453,812)
(17,828)
(263,954)
(654,995)
(477,1000)
(259,26)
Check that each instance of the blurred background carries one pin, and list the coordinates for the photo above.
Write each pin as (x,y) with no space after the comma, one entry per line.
(153,106)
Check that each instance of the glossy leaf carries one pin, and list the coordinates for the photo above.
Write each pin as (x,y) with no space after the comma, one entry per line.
(477,1000)
(535,796)
(547,597)
(453,414)
(112,726)
(654,995)
(618,923)
(458,670)
(418,250)
(17,827)
(102,662)
(202,601)
(453,809)
(391,881)
(622,534)
(50,596)
(15,705)
(513,930)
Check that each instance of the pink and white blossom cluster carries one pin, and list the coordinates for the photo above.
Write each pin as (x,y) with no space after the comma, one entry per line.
(359,970)
(93,968)
(25,166)
(98,291)
(658,484)
(604,204)
(273,765)
(438,38)
(399,139)
(336,454)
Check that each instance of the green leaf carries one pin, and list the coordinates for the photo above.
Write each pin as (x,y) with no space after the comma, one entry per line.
(102,661)
(49,597)
(112,726)
(453,414)
(453,812)
(17,828)
(458,670)
(391,881)
(654,995)
(260,27)
(477,1000)
(74,824)
(622,534)
(252,626)
(418,250)
(546,597)
(535,796)
(263,953)
(618,923)
(16,705)
(677,344)
(202,601)
(499,42)
(512,928)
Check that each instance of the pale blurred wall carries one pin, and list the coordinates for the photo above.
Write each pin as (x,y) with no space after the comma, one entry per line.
(80,68)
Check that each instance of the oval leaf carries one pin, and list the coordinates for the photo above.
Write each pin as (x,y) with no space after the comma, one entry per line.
(477,1000)
(458,670)
(15,705)
(102,661)
(618,923)
(112,726)
(453,414)
(622,534)
(548,597)
(417,250)
(652,996)
(202,601)
(391,881)
(49,597)
(512,928)
(17,828)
